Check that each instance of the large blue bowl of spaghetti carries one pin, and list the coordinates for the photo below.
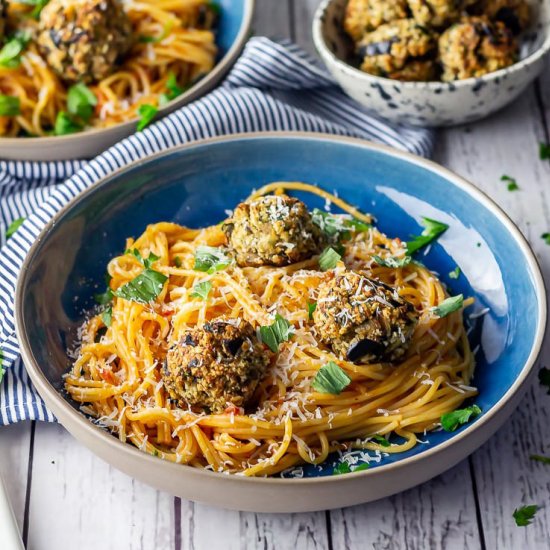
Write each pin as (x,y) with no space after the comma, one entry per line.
(388,427)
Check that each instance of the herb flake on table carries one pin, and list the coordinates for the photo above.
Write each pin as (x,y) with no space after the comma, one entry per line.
(544,151)
(544,378)
(448,306)
(146,114)
(512,183)
(541,458)
(275,334)
(202,290)
(455,273)
(9,105)
(525,515)
(330,378)
(14,226)
(328,259)
(432,230)
(546,238)
(210,259)
(453,420)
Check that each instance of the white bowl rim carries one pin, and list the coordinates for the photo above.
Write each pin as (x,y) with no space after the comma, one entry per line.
(66,409)
(193,93)
(324,51)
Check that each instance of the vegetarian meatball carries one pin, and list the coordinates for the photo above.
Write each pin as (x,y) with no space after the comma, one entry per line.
(216,365)
(474,47)
(363,320)
(83,40)
(273,230)
(401,50)
(364,16)
(436,13)
(515,14)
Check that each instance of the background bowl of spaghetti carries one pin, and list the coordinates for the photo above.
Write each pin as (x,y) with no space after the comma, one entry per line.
(66,267)
(231,33)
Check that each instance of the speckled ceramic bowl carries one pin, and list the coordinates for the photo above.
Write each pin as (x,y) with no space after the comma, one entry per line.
(231,36)
(430,103)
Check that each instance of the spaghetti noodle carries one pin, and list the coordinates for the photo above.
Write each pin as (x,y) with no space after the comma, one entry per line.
(117,374)
(173,46)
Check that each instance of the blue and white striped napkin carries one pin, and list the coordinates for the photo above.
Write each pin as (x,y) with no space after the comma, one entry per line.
(273,86)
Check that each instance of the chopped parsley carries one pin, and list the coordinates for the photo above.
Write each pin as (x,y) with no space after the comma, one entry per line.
(275,334)
(524,515)
(209,259)
(512,183)
(174,89)
(201,290)
(540,458)
(338,228)
(10,54)
(14,226)
(330,379)
(381,440)
(107,316)
(544,378)
(328,259)
(146,114)
(546,237)
(544,151)
(311,307)
(392,261)
(9,105)
(455,273)
(452,420)
(65,124)
(432,230)
(448,306)
(81,101)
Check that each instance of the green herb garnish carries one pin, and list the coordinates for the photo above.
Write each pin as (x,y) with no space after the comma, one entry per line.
(107,316)
(174,89)
(146,113)
(452,420)
(177,261)
(328,259)
(275,334)
(337,227)
(216,8)
(65,124)
(544,151)
(209,259)
(146,262)
(512,183)
(10,54)
(524,515)
(341,468)
(544,378)
(381,440)
(38,6)
(330,379)
(81,101)
(432,230)
(144,288)
(546,237)
(14,226)
(311,307)
(541,458)
(392,261)
(201,290)
(448,306)
(9,105)
(455,273)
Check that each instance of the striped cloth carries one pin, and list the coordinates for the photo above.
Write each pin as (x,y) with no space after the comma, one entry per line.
(273,86)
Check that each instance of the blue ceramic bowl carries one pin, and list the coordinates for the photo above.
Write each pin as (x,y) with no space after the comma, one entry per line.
(194,185)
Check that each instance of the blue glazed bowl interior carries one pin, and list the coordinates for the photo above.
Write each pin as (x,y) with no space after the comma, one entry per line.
(194,186)
(231,18)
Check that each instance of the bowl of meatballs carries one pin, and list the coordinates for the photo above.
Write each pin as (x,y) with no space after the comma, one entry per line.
(300,328)
(76,76)
(433,62)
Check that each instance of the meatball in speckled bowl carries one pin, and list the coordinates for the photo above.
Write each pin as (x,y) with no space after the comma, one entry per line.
(411,93)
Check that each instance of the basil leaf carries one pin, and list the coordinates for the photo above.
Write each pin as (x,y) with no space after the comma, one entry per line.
(146,113)
(330,379)
(105,298)
(432,230)
(512,183)
(524,515)
(361,467)
(341,468)
(328,259)
(9,105)
(275,334)
(107,316)
(540,458)
(544,151)
(448,306)
(14,226)
(392,261)
(452,420)
(310,309)
(10,54)
(201,290)
(146,262)
(337,227)
(381,440)
(209,259)
(81,101)
(546,237)
(38,6)
(544,378)
(455,273)
(174,89)
(64,124)
(144,288)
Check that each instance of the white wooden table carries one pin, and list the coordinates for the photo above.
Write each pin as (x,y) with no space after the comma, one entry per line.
(65,498)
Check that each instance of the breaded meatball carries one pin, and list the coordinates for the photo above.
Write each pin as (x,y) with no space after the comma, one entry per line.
(474,47)
(515,14)
(215,366)
(364,16)
(83,40)
(402,50)
(436,13)
(273,230)
(363,320)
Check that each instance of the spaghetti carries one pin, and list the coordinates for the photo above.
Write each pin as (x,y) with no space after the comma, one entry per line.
(173,46)
(117,374)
